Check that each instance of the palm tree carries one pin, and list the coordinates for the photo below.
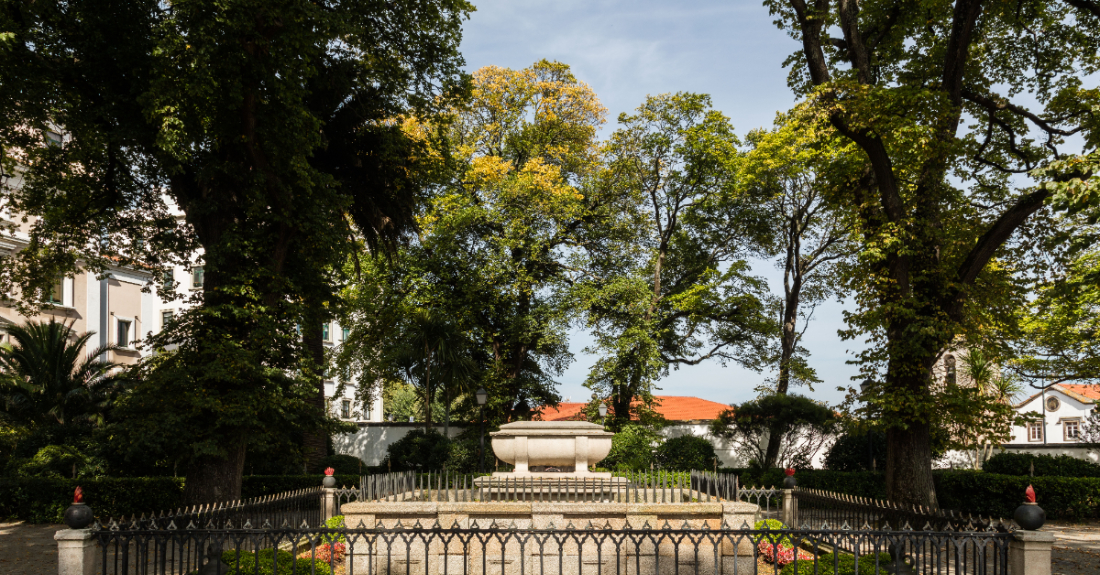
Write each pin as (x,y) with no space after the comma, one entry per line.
(46,380)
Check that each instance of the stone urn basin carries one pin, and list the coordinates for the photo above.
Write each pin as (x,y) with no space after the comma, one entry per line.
(575,444)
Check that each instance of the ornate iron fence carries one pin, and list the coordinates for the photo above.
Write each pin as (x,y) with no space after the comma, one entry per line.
(153,549)
(824,509)
(291,508)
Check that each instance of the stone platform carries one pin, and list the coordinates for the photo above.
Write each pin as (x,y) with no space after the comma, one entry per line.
(541,537)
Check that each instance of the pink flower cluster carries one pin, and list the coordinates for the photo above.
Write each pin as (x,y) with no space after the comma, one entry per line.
(327,553)
(781,553)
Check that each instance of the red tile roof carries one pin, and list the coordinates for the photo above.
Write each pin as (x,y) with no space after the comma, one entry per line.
(672,407)
(1090,391)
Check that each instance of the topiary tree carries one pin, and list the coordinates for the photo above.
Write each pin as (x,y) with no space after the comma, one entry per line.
(685,453)
(804,424)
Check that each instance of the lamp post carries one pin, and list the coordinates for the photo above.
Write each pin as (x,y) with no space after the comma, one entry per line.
(603,412)
(482,397)
(864,388)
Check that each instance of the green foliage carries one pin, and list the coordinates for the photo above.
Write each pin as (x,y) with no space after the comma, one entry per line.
(854,452)
(842,564)
(335,522)
(1010,463)
(633,449)
(343,465)
(803,424)
(50,376)
(419,450)
(942,106)
(44,500)
(686,453)
(271,562)
(463,452)
(284,146)
(676,288)
(771,525)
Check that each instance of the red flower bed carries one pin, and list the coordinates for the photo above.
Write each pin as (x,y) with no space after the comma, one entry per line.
(327,553)
(780,553)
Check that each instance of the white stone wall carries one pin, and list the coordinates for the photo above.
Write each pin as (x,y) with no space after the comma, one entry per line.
(372,439)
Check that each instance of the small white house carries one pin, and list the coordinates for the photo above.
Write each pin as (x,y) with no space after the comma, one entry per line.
(1058,414)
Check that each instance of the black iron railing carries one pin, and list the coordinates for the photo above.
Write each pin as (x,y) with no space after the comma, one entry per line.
(505,550)
(623,487)
(290,509)
(824,509)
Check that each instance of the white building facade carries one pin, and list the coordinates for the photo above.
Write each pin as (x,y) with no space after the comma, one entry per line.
(1056,420)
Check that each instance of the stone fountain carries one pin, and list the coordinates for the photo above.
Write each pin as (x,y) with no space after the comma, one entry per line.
(553,449)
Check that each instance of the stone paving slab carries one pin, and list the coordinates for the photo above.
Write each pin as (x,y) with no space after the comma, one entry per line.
(28,549)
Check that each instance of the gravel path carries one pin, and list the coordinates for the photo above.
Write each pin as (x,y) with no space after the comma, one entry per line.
(28,549)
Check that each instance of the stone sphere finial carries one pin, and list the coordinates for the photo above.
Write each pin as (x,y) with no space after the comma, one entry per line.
(78,515)
(1030,516)
(789,481)
(329,480)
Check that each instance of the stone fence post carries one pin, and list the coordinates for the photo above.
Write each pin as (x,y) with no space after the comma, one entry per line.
(76,552)
(789,512)
(76,546)
(328,495)
(1029,552)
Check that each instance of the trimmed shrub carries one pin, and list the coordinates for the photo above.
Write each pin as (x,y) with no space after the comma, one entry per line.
(268,562)
(843,564)
(685,453)
(343,464)
(1007,463)
(419,450)
(852,452)
(632,449)
(335,522)
(462,455)
(770,525)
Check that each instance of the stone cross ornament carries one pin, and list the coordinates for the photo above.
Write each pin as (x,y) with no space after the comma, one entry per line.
(1030,516)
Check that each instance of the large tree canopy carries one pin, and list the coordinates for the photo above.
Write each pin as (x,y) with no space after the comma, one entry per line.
(948,102)
(679,292)
(264,122)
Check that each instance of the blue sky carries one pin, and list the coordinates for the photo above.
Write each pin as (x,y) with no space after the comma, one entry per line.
(628,50)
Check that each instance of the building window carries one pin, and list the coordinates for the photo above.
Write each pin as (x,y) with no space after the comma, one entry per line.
(123,333)
(166,318)
(949,365)
(1035,431)
(1053,404)
(325,333)
(344,333)
(55,294)
(1071,430)
(196,277)
(169,279)
(345,409)
(53,138)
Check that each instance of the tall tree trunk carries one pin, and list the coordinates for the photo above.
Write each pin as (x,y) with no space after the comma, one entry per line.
(315,443)
(908,473)
(213,479)
(793,291)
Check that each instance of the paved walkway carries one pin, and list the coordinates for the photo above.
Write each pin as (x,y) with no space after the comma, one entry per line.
(28,549)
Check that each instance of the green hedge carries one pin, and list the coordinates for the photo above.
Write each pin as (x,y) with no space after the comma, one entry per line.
(40,500)
(978,492)
(1009,463)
